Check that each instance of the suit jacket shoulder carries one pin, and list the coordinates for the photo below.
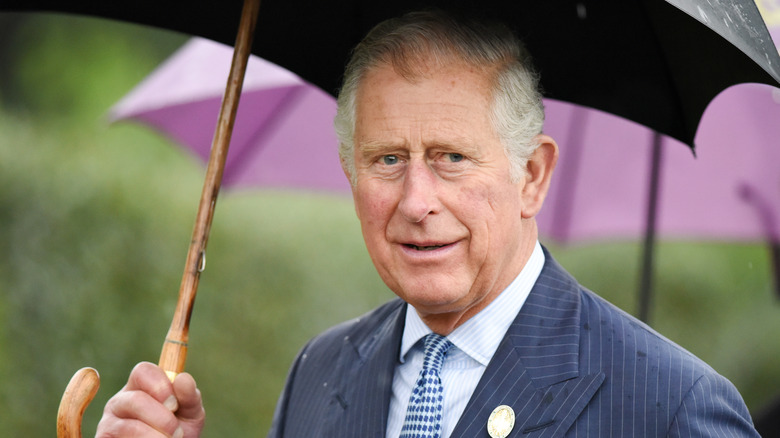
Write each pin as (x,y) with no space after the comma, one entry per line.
(651,387)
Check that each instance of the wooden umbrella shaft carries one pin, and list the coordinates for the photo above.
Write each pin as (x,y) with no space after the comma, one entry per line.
(174,351)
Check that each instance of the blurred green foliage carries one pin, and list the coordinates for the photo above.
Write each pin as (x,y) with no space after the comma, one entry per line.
(95,220)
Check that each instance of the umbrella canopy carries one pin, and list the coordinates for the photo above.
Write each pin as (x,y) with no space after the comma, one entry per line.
(283,134)
(658,63)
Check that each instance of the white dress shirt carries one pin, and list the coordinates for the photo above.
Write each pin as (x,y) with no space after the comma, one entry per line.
(475,342)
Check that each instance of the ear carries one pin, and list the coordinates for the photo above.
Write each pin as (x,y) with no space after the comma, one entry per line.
(539,170)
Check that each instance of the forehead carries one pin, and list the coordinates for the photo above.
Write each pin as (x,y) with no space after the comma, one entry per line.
(445,103)
(436,70)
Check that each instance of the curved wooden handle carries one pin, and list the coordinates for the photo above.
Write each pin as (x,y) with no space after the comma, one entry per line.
(80,391)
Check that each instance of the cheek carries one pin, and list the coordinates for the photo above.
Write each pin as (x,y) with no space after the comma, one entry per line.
(477,204)
(373,208)
(490,214)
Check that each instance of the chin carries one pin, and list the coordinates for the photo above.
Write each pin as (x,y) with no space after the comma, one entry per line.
(433,300)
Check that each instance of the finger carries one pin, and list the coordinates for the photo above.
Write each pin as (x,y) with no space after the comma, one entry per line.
(137,410)
(128,428)
(151,379)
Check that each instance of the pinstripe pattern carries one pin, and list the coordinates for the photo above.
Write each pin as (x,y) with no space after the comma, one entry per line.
(571,365)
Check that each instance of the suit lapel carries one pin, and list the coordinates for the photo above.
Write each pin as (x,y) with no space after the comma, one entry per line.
(361,398)
(535,370)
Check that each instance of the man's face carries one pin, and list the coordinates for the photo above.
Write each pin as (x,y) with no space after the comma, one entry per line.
(441,218)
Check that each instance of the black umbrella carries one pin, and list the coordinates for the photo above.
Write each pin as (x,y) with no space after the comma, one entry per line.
(645,60)
(658,63)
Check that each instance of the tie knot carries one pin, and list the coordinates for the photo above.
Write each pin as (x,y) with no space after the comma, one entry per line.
(436,346)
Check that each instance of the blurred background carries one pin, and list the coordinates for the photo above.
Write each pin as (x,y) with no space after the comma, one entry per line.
(95,221)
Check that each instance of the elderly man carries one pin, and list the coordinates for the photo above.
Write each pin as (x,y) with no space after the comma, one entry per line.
(440,124)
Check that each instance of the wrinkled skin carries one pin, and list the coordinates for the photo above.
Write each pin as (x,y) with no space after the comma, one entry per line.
(446,226)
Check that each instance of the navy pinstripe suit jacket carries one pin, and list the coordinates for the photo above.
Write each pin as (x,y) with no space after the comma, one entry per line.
(571,364)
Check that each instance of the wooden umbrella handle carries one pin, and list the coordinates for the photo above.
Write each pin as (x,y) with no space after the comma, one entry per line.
(80,391)
(84,384)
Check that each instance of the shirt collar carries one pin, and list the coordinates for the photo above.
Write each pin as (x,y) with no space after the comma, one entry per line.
(480,335)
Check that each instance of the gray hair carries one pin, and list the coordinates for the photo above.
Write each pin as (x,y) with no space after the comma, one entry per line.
(417,39)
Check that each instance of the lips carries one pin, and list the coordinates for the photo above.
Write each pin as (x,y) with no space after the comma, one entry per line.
(427,253)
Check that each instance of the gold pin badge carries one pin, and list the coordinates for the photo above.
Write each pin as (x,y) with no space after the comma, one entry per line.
(501,422)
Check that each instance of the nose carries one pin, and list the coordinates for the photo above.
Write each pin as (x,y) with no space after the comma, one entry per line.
(420,197)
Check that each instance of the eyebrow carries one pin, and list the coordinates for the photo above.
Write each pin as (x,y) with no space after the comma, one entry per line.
(372,148)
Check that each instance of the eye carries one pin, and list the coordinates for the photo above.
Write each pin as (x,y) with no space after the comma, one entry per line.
(389,160)
(455,157)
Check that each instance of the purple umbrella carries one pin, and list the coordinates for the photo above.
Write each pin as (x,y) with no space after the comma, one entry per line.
(730,190)
(283,135)
(605,186)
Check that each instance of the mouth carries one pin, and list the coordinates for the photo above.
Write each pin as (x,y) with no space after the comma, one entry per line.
(423,248)
(427,251)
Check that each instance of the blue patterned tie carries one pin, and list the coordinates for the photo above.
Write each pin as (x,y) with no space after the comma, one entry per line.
(423,416)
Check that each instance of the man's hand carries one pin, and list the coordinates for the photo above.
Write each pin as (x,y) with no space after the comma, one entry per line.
(151,406)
